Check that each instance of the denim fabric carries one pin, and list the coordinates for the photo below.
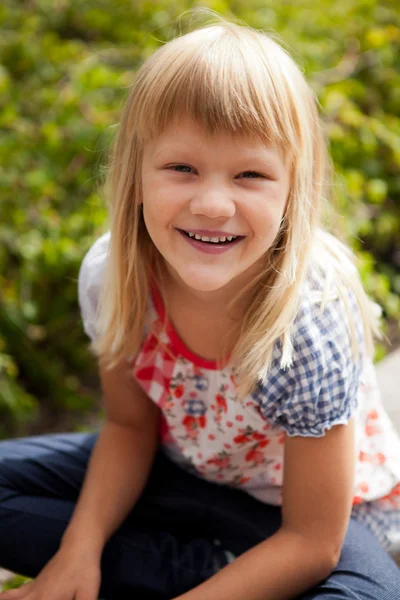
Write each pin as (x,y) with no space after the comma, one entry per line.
(167,544)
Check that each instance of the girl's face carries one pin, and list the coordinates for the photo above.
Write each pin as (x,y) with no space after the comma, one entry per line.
(215,187)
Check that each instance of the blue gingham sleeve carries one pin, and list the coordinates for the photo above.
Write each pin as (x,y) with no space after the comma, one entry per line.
(90,281)
(320,389)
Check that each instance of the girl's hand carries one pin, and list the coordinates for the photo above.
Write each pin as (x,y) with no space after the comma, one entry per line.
(72,574)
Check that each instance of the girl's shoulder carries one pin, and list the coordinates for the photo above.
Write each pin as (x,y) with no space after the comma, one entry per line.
(328,308)
(90,281)
(319,388)
(95,258)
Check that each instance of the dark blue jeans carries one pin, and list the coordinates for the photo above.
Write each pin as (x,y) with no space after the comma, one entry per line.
(166,545)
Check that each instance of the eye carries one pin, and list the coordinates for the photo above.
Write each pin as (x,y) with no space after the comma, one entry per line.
(252,175)
(181,168)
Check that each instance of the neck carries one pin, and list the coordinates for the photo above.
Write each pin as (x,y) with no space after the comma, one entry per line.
(214,303)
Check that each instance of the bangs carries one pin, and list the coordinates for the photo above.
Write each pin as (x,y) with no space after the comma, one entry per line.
(225,78)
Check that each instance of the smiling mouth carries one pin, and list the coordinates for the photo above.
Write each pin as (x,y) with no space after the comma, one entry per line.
(220,240)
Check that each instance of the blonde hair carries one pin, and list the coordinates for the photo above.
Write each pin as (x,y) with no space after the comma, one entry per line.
(231,78)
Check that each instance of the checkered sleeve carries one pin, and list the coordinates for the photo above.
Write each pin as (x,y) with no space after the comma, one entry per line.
(89,283)
(320,389)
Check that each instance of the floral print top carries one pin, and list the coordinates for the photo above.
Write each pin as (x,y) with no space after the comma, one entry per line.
(208,432)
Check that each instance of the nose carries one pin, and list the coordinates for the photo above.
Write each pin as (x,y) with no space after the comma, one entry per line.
(213,201)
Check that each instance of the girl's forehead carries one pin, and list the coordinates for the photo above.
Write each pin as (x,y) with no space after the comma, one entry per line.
(185,134)
(190,128)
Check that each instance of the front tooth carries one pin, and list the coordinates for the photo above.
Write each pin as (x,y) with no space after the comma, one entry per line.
(229,238)
(216,240)
(197,236)
(222,239)
(204,238)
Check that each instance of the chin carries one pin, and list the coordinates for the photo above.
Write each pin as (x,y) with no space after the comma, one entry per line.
(207,287)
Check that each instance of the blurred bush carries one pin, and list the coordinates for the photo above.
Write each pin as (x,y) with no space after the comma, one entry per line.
(65,66)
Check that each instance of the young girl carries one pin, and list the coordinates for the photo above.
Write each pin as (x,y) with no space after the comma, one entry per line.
(234,333)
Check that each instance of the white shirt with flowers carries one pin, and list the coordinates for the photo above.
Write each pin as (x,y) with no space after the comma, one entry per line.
(208,432)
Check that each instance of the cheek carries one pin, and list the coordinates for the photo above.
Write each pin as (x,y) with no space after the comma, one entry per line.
(266,218)
(160,200)
(154,204)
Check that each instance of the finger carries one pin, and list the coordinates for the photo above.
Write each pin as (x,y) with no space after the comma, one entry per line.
(17,593)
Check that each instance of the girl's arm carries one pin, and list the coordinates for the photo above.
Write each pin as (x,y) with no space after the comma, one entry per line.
(120,462)
(317,500)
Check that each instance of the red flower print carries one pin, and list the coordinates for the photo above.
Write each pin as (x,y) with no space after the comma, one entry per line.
(199,455)
(381,458)
(211,436)
(189,422)
(373,414)
(256,456)
(219,461)
(239,417)
(169,405)
(394,493)
(263,444)
(363,487)
(241,439)
(258,436)
(372,430)
(281,438)
(357,500)
(221,402)
(375,459)
(244,480)
(193,395)
(227,446)
(178,392)
(278,467)
(229,424)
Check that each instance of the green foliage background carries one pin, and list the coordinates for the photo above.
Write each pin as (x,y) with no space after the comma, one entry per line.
(65,66)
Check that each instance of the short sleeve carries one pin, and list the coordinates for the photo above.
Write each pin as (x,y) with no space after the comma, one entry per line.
(90,282)
(320,389)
